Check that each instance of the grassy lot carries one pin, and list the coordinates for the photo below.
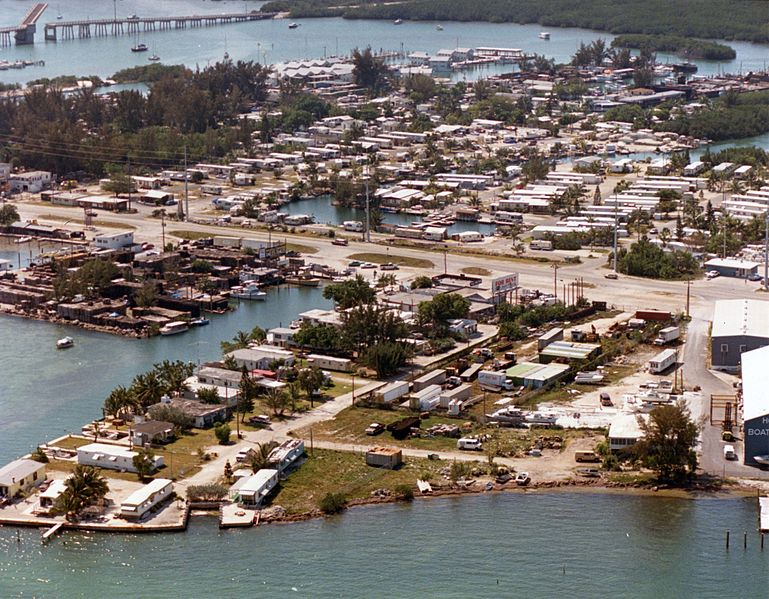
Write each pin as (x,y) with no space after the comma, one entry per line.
(395,259)
(183,457)
(347,473)
(301,248)
(350,424)
(73,442)
(477,271)
(191,235)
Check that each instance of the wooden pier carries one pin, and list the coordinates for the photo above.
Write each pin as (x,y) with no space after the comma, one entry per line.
(69,30)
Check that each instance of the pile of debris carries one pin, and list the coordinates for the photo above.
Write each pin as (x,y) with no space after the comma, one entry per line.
(443,430)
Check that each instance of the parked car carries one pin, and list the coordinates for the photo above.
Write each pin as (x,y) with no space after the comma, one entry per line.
(243,454)
(375,429)
(712,274)
(354,264)
(260,420)
(611,275)
(390,266)
(606,399)
(754,276)
(368,265)
(340,242)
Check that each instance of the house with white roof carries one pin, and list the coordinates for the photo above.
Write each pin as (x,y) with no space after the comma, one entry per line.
(739,326)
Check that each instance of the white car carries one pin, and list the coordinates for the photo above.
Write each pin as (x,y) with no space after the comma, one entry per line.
(712,274)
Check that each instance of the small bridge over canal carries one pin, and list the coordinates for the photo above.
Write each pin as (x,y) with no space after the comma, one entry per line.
(24,32)
(69,30)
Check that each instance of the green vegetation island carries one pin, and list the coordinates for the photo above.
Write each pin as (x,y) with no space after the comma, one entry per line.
(685,47)
(713,19)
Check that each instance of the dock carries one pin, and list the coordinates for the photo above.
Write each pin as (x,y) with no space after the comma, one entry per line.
(763,514)
(234,516)
(87,28)
(48,534)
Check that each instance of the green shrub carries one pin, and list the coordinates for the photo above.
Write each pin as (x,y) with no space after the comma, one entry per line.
(404,492)
(332,503)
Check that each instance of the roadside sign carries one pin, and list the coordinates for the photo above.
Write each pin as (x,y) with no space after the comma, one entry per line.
(504,284)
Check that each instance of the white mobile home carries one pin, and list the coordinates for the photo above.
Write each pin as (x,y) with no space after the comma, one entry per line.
(142,500)
(111,457)
(330,363)
(662,361)
(253,489)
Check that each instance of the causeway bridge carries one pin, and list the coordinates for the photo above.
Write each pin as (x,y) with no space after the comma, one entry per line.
(87,28)
(24,32)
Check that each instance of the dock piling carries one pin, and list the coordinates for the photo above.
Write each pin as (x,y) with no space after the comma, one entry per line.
(727,539)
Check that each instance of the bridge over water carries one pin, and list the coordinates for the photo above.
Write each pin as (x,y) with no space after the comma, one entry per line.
(24,32)
(68,30)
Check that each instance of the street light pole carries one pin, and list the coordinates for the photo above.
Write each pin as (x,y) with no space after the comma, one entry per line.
(615,234)
(766,251)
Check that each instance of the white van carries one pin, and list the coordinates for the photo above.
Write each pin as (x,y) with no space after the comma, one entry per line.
(729,453)
(469,443)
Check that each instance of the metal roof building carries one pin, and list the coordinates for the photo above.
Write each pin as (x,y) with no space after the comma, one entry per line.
(755,404)
(738,326)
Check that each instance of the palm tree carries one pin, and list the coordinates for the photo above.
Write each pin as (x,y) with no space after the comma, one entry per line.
(294,391)
(260,457)
(147,389)
(173,374)
(120,401)
(276,400)
(85,487)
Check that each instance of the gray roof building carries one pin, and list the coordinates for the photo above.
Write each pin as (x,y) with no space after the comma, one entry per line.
(738,326)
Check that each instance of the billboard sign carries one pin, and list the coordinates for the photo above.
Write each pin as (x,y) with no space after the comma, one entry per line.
(504,284)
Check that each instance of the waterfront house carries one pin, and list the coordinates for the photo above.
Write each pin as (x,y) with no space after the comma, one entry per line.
(20,476)
(253,489)
(285,454)
(51,494)
(624,432)
(152,431)
(203,415)
(142,500)
(260,357)
(111,457)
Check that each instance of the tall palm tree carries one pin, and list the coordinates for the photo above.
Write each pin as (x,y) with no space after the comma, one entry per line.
(147,389)
(85,487)
(120,401)
(260,457)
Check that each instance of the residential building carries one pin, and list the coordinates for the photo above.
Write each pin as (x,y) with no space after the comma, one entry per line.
(286,454)
(624,432)
(20,476)
(203,415)
(261,356)
(111,457)
(152,431)
(733,267)
(114,241)
(252,490)
(33,181)
(143,500)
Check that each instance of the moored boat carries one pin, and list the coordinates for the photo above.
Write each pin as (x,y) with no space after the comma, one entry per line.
(199,322)
(522,479)
(303,280)
(544,35)
(139,48)
(174,328)
(65,342)
(248,291)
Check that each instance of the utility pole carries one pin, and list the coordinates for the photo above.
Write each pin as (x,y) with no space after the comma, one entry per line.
(186,188)
(163,228)
(130,183)
(555,281)
(445,263)
(615,235)
(688,294)
(368,210)
(766,251)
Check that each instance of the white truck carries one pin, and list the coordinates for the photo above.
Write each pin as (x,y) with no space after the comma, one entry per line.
(355,226)
(469,443)
(490,380)
(541,244)
(667,335)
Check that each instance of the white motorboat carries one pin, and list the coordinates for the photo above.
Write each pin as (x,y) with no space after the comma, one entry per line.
(65,342)
(173,328)
(439,27)
(544,35)
(397,21)
(249,291)
(762,459)
(522,479)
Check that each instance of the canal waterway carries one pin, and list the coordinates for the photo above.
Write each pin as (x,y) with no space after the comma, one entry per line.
(489,546)
(327,213)
(271,41)
(45,392)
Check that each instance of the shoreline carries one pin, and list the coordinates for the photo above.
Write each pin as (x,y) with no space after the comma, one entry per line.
(730,491)
(8,310)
